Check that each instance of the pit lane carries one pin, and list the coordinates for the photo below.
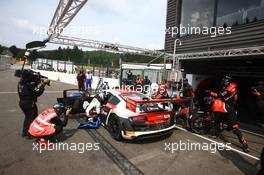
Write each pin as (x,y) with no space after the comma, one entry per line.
(129,157)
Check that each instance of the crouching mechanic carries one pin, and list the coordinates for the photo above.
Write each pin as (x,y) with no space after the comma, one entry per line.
(48,125)
(93,111)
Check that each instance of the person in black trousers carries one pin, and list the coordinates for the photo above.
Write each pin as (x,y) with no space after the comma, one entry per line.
(81,79)
(28,91)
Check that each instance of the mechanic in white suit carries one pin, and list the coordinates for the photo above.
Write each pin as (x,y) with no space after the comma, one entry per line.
(93,109)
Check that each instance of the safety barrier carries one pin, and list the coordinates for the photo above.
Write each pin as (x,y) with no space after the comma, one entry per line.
(72,78)
(5,62)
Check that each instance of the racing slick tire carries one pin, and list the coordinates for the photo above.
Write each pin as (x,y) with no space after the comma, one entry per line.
(115,127)
(198,125)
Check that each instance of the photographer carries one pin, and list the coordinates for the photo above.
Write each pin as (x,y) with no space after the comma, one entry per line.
(29,89)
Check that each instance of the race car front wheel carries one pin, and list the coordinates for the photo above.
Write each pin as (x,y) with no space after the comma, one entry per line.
(114,127)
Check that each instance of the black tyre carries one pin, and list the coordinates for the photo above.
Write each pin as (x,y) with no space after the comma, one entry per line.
(115,128)
(198,125)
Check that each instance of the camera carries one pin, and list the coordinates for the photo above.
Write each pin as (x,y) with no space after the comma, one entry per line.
(31,76)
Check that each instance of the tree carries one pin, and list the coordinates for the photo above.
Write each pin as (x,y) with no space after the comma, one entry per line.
(60,53)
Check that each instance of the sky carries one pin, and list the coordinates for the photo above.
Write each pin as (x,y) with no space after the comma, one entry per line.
(139,23)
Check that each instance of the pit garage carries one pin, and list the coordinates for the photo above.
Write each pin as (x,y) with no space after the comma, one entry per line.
(246,71)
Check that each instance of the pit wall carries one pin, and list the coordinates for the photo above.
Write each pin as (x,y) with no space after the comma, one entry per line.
(71,78)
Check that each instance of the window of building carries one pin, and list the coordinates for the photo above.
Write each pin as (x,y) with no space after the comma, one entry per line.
(198,13)
(208,13)
(235,12)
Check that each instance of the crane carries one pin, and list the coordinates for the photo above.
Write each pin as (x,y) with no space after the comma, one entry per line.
(66,11)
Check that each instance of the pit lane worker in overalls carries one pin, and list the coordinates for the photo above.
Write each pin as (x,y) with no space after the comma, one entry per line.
(146,85)
(162,90)
(229,96)
(187,89)
(49,124)
(93,111)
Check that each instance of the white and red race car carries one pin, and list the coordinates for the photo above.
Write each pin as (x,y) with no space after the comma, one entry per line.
(130,115)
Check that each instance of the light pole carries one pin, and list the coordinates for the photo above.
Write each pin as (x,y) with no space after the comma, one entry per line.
(174,54)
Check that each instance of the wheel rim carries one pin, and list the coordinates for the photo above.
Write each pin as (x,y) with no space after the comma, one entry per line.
(198,124)
(114,127)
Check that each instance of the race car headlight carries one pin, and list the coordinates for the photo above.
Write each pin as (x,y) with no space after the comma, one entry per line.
(137,119)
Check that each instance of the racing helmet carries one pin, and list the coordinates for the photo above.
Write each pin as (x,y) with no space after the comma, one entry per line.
(59,108)
(226,81)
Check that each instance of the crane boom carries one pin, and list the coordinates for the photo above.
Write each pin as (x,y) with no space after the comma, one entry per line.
(65,12)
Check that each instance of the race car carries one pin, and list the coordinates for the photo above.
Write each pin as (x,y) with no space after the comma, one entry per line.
(130,115)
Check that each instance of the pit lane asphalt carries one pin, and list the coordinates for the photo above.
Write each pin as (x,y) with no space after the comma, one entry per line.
(137,157)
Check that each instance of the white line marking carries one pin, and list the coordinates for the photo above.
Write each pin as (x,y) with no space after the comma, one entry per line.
(49,92)
(253,133)
(205,138)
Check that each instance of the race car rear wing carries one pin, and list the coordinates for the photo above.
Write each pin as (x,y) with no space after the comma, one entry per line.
(133,104)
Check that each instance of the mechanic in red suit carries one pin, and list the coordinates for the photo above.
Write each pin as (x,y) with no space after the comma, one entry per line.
(162,90)
(229,97)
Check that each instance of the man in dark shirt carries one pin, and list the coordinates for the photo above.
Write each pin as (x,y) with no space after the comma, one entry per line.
(29,91)
(81,79)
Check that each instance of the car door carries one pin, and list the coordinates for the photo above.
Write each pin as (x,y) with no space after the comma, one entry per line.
(109,106)
(74,98)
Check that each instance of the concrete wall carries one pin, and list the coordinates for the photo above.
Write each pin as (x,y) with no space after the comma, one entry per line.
(71,78)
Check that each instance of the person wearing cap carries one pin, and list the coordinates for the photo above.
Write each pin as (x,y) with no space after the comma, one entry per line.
(49,124)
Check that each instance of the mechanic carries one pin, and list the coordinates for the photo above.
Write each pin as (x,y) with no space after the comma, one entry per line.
(81,80)
(93,111)
(146,81)
(28,91)
(95,105)
(162,90)
(229,96)
(129,74)
(139,80)
(146,85)
(187,89)
(48,125)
